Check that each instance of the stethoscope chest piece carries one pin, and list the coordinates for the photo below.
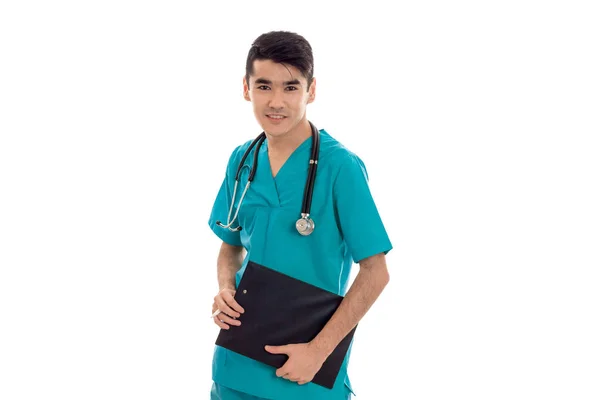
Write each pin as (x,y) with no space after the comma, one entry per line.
(305,225)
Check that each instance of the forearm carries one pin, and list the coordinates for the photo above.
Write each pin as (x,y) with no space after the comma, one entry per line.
(229,262)
(368,285)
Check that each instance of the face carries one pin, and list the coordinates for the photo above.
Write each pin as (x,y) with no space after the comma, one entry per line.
(279,96)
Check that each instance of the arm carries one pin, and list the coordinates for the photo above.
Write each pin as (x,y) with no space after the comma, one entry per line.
(305,359)
(356,214)
(368,285)
(229,262)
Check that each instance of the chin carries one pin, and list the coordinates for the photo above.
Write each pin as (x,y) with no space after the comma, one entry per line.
(275,129)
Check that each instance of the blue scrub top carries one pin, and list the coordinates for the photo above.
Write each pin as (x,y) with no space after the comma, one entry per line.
(348,228)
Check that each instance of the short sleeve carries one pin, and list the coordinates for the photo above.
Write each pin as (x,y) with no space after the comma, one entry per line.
(220,209)
(357,215)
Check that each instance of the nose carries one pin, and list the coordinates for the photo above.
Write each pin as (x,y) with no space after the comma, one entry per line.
(276,100)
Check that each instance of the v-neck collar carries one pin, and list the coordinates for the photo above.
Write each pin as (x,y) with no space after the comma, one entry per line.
(265,172)
(297,150)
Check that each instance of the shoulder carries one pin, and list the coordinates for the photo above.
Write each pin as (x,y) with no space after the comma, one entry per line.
(236,155)
(336,157)
(239,151)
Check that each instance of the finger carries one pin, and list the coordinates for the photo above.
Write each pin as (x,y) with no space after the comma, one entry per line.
(281,373)
(228,297)
(225,308)
(290,377)
(228,320)
(276,349)
(219,323)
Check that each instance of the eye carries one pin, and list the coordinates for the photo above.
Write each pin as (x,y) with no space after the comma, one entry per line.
(263,86)
(292,88)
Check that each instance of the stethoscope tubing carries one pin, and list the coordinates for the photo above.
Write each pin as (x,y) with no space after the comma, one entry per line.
(308,188)
(312,173)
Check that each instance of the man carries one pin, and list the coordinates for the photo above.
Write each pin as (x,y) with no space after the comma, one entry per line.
(279,83)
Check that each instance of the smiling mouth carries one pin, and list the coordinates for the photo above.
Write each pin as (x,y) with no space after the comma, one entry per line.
(276,117)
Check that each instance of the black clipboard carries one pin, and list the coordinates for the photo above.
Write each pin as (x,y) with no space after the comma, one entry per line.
(280,310)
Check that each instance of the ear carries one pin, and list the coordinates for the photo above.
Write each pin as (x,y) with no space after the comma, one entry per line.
(312,91)
(246,89)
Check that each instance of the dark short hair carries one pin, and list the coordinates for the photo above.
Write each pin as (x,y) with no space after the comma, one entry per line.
(282,47)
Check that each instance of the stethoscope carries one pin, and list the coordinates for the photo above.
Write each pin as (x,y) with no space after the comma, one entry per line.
(305,225)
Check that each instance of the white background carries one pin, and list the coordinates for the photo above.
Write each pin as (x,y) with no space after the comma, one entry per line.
(478,123)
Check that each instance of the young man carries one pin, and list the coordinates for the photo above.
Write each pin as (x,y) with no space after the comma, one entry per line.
(279,83)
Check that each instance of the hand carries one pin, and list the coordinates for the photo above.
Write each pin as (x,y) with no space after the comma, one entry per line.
(230,309)
(303,363)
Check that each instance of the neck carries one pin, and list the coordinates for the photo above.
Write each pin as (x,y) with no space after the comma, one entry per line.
(291,140)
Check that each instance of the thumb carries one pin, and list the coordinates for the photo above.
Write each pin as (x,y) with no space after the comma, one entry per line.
(276,349)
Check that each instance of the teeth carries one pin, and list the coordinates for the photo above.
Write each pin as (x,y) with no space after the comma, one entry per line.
(276,116)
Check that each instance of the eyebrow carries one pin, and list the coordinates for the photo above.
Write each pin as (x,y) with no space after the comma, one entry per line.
(268,82)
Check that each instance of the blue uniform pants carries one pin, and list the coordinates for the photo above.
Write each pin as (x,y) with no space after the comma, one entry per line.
(220,392)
